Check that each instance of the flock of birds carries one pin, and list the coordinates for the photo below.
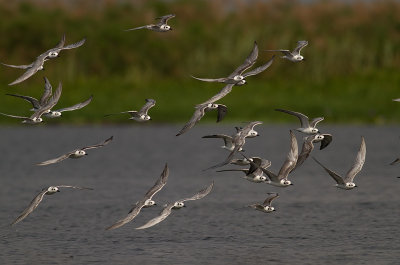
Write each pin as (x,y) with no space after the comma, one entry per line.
(257,168)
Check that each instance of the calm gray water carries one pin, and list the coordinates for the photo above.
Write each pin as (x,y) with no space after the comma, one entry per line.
(315,223)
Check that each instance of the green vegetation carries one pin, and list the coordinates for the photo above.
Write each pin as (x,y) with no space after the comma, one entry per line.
(350,74)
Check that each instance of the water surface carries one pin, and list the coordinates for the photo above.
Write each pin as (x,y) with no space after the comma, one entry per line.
(315,223)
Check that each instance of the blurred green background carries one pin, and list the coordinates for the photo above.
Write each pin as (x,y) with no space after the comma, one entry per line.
(351,72)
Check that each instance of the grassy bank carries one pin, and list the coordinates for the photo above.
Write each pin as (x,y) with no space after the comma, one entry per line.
(350,75)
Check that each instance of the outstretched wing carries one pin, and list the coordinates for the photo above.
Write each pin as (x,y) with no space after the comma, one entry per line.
(74,45)
(164,214)
(48,90)
(196,117)
(334,175)
(141,27)
(24,66)
(314,121)
(358,163)
(300,45)
(29,72)
(164,19)
(131,112)
(55,160)
(220,80)
(15,116)
(201,194)
(291,158)
(99,144)
(270,199)
(32,206)
(149,104)
(306,150)
(74,187)
(162,180)
(285,52)
(248,62)
(50,103)
(303,118)
(222,93)
(260,68)
(35,103)
(131,215)
(77,106)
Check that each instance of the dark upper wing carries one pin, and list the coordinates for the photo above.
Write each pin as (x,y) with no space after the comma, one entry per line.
(260,68)
(326,141)
(300,45)
(358,163)
(48,90)
(32,206)
(222,93)
(303,118)
(149,104)
(334,175)
(77,106)
(35,103)
(162,180)
(221,112)
(255,165)
(258,164)
(250,60)
(99,144)
(164,19)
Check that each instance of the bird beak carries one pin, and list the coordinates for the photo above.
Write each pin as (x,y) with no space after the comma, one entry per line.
(170,28)
(355,186)
(291,184)
(58,190)
(86,154)
(184,205)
